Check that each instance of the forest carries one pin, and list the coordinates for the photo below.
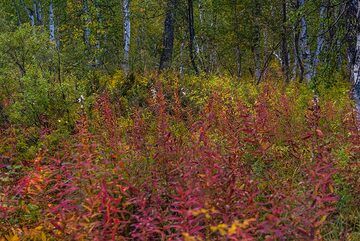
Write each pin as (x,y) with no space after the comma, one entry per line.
(188,120)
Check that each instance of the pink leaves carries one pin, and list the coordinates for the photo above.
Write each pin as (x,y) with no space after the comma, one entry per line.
(234,170)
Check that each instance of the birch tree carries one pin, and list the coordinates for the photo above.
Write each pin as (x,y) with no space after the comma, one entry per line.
(127,35)
(51,22)
(87,23)
(304,52)
(30,12)
(356,67)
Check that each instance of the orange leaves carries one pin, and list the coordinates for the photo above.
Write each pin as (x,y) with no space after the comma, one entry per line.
(234,169)
(226,230)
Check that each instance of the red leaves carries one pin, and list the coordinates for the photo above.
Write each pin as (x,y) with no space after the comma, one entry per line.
(234,170)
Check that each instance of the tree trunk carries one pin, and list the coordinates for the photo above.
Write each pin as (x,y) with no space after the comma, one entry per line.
(192,35)
(256,42)
(320,42)
(29,12)
(238,52)
(168,36)
(304,51)
(99,25)
(353,52)
(38,12)
(356,65)
(284,44)
(127,35)
(51,22)
(87,22)
(298,55)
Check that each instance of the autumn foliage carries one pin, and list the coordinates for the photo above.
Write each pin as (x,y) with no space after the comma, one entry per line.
(268,166)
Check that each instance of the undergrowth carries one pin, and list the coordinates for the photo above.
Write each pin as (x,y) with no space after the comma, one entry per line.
(187,160)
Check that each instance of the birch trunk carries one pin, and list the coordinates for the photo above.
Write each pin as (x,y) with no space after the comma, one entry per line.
(29,12)
(304,52)
(256,44)
(87,22)
(51,22)
(127,35)
(38,12)
(356,63)
(98,53)
(284,45)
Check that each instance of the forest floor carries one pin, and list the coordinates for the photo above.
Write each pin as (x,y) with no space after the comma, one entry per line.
(194,160)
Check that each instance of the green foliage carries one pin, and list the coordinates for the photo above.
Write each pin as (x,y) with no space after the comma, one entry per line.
(269,141)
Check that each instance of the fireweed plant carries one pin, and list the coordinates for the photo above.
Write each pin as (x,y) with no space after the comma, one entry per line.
(220,163)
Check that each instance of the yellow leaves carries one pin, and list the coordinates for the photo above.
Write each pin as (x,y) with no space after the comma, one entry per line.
(36,233)
(320,222)
(87,208)
(225,230)
(188,237)
(221,228)
(12,238)
(203,211)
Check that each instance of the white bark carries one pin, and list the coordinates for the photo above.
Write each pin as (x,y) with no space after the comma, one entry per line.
(305,53)
(87,22)
(38,12)
(51,22)
(181,70)
(29,12)
(356,67)
(98,36)
(127,34)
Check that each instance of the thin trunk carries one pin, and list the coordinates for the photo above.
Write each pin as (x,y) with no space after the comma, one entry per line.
(356,66)
(127,34)
(201,43)
(256,43)
(320,42)
(87,23)
(299,60)
(238,52)
(51,22)
(30,13)
(215,61)
(181,70)
(284,44)
(304,52)
(192,35)
(168,36)
(38,12)
(98,53)
(295,53)
(298,55)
